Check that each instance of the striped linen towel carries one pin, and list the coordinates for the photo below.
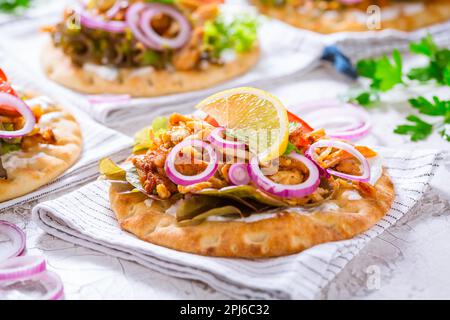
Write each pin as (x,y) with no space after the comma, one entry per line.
(98,141)
(84,217)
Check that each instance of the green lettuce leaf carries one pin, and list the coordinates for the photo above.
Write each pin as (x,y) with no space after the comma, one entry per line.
(143,140)
(239,34)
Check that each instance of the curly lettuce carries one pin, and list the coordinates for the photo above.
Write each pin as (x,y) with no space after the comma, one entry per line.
(238,34)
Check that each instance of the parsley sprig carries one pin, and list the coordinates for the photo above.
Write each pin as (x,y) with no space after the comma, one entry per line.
(438,67)
(10,6)
(387,72)
(419,129)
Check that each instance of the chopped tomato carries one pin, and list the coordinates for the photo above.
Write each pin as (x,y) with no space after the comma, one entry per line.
(212,121)
(6,88)
(2,76)
(299,136)
(293,118)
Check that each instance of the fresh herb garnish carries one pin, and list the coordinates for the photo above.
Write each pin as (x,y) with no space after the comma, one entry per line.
(383,72)
(290,148)
(386,73)
(438,67)
(10,6)
(420,129)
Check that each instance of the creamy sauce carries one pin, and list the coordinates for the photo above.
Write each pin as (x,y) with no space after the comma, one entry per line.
(376,169)
(173,208)
(144,71)
(15,160)
(107,73)
(43,101)
(352,195)
(148,202)
(228,56)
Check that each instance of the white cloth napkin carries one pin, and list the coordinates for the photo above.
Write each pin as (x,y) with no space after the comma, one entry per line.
(84,217)
(98,141)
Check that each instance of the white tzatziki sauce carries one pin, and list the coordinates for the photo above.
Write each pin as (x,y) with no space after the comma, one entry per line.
(107,73)
(14,160)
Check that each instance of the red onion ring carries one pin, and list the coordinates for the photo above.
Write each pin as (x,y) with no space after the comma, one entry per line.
(31,288)
(118,5)
(177,177)
(24,110)
(97,99)
(21,267)
(314,112)
(238,174)
(132,19)
(53,284)
(217,140)
(139,17)
(161,42)
(285,190)
(17,237)
(364,177)
(91,22)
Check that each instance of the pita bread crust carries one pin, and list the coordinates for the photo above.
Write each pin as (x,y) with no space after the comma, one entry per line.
(435,11)
(285,234)
(46,162)
(59,68)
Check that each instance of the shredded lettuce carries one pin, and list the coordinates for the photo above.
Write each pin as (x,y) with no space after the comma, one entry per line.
(110,170)
(143,139)
(238,34)
(9,145)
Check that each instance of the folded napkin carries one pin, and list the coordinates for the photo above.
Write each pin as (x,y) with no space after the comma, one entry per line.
(84,217)
(98,141)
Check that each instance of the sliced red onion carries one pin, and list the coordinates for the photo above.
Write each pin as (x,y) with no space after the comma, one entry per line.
(53,284)
(286,190)
(322,172)
(118,5)
(238,174)
(322,113)
(46,285)
(89,21)
(17,239)
(162,42)
(179,178)
(216,138)
(16,103)
(364,177)
(98,99)
(139,17)
(21,267)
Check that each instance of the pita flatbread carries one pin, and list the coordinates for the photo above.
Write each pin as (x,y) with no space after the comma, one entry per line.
(42,163)
(59,68)
(279,233)
(433,11)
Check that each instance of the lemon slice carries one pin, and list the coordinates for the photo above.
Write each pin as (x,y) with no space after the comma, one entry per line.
(253,116)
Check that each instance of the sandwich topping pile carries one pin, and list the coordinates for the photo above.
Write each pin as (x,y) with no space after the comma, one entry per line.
(243,177)
(105,37)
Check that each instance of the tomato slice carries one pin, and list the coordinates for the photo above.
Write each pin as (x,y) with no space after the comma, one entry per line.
(2,76)
(6,88)
(293,118)
(212,121)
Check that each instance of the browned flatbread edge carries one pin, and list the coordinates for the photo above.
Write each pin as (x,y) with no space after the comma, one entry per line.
(50,161)
(60,69)
(285,234)
(435,12)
